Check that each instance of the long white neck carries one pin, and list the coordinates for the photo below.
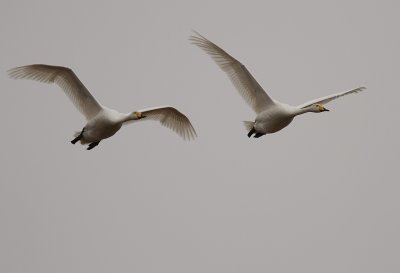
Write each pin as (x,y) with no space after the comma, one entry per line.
(129,117)
(300,111)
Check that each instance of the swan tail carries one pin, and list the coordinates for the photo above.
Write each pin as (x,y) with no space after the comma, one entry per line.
(248,125)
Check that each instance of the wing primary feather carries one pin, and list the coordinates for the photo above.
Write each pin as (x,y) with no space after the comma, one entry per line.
(326,99)
(172,119)
(244,82)
(66,79)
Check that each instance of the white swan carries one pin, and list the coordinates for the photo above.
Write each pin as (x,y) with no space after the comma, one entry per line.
(272,115)
(102,122)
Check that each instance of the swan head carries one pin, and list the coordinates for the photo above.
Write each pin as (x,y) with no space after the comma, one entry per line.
(318,108)
(138,115)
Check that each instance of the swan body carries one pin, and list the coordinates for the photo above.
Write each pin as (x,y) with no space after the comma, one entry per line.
(104,125)
(102,122)
(271,115)
(273,119)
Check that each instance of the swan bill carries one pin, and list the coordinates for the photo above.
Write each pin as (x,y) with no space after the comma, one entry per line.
(139,115)
(323,109)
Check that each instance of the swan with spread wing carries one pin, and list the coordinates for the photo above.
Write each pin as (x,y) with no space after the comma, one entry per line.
(102,122)
(272,116)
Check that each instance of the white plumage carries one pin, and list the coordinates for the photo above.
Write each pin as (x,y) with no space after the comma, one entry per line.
(272,115)
(102,122)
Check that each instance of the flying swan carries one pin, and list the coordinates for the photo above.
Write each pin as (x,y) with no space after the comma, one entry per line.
(272,115)
(102,122)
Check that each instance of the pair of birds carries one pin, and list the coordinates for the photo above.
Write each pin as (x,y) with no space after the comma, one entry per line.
(103,122)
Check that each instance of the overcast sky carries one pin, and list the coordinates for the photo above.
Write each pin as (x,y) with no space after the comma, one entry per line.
(322,195)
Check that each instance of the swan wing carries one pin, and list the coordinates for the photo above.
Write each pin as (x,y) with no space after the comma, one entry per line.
(248,87)
(172,119)
(326,99)
(66,79)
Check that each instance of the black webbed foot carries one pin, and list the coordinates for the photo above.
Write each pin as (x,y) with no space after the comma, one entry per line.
(75,140)
(92,145)
(257,135)
(252,131)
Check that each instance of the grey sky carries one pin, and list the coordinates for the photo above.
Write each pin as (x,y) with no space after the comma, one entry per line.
(319,196)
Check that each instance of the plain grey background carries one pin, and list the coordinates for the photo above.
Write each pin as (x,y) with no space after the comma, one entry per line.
(319,196)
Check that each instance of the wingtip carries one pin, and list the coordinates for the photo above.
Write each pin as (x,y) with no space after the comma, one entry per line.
(360,89)
(196,32)
(13,72)
(196,37)
(191,135)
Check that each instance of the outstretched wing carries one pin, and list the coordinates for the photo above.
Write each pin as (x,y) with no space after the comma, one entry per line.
(172,119)
(329,98)
(66,79)
(248,87)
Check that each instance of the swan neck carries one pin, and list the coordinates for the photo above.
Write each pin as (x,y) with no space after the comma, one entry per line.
(129,117)
(300,111)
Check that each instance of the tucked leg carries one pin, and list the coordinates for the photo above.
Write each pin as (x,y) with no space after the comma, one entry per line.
(252,131)
(92,145)
(75,140)
(257,135)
